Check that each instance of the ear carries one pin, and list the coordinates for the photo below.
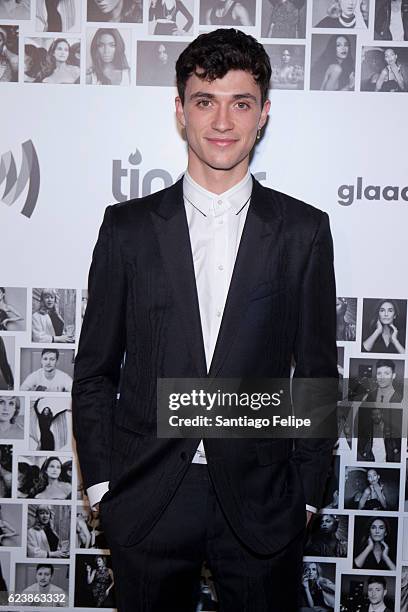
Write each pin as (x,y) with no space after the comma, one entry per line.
(264,113)
(180,112)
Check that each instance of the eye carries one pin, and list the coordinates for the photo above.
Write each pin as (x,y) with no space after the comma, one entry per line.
(204,103)
(243,105)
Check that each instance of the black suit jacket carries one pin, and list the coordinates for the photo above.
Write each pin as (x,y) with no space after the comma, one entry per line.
(143,302)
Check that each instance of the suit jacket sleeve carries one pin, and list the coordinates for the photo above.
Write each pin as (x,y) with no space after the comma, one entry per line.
(100,354)
(315,354)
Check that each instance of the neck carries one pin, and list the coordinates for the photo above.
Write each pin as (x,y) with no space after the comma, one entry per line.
(59,65)
(49,374)
(117,11)
(214,180)
(5,425)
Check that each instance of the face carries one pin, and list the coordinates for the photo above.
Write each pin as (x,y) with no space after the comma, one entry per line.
(8,407)
(389,56)
(107,6)
(44,576)
(46,411)
(54,469)
(342,47)
(376,416)
(312,571)
(386,313)
(221,119)
(43,516)
(49,362)
(162,54)
(61,52)
(378,530)
(372,477)
(286,56)
(327,524)
(385,377)
(348,7)
(48,300)
(100,562)
(376,593)
(106,48)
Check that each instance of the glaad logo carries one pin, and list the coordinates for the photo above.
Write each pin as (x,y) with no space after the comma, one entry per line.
(137,186)
(29,174)
(390,193)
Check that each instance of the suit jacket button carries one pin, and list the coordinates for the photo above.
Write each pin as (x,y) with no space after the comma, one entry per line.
(183,456)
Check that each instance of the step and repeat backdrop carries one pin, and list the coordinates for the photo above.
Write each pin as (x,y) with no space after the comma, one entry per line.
(87,119)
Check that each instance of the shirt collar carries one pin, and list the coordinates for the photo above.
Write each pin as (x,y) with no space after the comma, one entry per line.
(371,609)
(213,204)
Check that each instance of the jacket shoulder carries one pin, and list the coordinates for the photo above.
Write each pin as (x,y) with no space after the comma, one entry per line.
(138,209)
(294,210)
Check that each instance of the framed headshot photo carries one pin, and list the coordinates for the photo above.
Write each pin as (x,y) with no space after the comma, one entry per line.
(107,56)
(46,478)
(48,531)
(365,592)
(288,66)
(384,325)
(50,423)
(94,582)
(13,309)
(328,536)
(371,488)
(156,62)
(7,362)
(11,417)
(64,16)
(283,18)
(9,48)
(384,69)
(47,369)
(115,11)
(171,17)
(379,432)
(225,13)
(344,14)
(44,577)
(379,381)
(375,543)
(52,60)
(346,319)
(333,62)
(53,315)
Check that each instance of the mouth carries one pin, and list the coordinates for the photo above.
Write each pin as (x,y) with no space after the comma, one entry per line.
(221,142)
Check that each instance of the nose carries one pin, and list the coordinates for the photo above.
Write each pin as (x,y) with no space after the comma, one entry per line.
(222,121)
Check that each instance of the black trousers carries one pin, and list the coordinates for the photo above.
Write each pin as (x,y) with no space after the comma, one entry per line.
(162,572)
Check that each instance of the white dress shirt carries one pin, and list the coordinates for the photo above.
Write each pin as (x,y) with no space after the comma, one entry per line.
(215,224)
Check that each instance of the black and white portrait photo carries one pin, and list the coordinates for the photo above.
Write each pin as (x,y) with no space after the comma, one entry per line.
(344,428)
(10,524)
(89,533)
(13,306)
(53,315)
(365,593)
(11,417)
(156,62)
(171,17)
(384,325)
(108,50)
(375,542)
(8,54)
(284,18)
(45,477)
(52,60)
(328,535)
(48,531)
(47,369)
(208,600)
(94,581)
(404,588)
(371,488)
(333,62)
(50,423)
(44,578)
(227,13)
(115,11)
(379,435)
(384,69)
(58,16)
(341,13)
(6,470)
(5,575)
(318,587)
(7,361)
(391,20)
(376,380)
(346,312)
(331,490)
(15,9)
(288,66)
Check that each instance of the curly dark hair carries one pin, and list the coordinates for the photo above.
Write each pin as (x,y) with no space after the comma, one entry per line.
(210,56)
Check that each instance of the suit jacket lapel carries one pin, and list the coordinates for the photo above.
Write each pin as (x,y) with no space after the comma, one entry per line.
(259,241)
(170,222)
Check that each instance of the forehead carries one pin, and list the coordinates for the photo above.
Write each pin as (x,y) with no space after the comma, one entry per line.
(234,82)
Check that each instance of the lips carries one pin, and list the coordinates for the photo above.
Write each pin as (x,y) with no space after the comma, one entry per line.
(221,142)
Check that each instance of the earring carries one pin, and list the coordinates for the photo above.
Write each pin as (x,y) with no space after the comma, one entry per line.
(258,136)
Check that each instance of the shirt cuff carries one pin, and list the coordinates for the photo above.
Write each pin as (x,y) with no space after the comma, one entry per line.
(308,508)
(96,492)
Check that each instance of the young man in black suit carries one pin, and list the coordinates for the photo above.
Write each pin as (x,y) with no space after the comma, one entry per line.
(216,276)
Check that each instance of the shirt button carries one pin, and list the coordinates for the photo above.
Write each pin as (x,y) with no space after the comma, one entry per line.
(218,313)
(220,267)
(219,201)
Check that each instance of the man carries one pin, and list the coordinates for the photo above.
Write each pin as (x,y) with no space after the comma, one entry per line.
(376,593)
(48,377)
(57,597)
(384,377)
(161,272)
(376,441)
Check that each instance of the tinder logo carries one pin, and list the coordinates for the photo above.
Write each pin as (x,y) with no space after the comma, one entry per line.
(16,182)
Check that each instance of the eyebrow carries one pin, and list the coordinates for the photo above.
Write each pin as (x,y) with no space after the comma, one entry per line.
(210,96)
